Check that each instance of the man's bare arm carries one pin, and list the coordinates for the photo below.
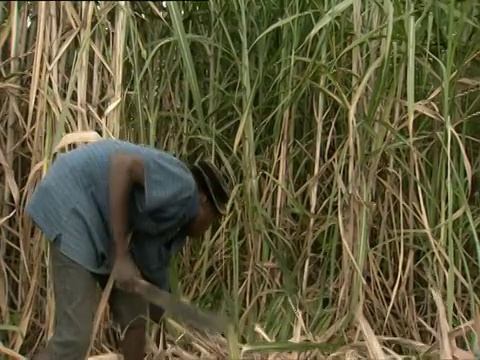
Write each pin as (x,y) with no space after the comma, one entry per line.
(125,172)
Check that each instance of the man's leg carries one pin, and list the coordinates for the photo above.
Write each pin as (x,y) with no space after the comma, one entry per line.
(129,311)
(76,298)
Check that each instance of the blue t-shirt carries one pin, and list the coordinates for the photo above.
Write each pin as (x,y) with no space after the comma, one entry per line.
(71,207)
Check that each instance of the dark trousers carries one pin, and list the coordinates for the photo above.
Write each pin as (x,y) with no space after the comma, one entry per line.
(76,292)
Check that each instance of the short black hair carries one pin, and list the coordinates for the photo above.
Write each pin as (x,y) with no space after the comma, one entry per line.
(211,182)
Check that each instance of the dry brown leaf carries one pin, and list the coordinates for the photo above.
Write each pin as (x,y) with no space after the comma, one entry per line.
(5,218)
(373,345)
(111,356)
(459,354)
(77,138)
(10,178)
(10,353)
(102,306)
(445,345)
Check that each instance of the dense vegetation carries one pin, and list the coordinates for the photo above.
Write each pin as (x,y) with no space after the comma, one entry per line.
(348,128)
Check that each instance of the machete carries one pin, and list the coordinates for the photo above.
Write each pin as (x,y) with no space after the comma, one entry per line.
(181,310)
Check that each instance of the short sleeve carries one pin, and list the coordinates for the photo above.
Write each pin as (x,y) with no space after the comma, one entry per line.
(168,183)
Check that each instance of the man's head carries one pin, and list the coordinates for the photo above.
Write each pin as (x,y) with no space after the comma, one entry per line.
(213,196)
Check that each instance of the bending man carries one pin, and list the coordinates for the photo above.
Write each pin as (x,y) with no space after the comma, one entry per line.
(88,205)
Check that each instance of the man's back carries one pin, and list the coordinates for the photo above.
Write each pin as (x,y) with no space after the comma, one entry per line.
(71,204)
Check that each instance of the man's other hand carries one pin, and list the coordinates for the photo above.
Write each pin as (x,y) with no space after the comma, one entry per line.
(125,272)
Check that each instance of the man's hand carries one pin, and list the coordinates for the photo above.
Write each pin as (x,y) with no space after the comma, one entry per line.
(125,272)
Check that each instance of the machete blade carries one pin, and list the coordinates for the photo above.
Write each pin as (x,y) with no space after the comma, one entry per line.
(181,310)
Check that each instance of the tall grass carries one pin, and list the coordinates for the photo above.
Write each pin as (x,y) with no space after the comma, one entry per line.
(348,127)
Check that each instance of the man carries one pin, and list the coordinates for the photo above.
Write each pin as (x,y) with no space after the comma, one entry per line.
(88,204)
